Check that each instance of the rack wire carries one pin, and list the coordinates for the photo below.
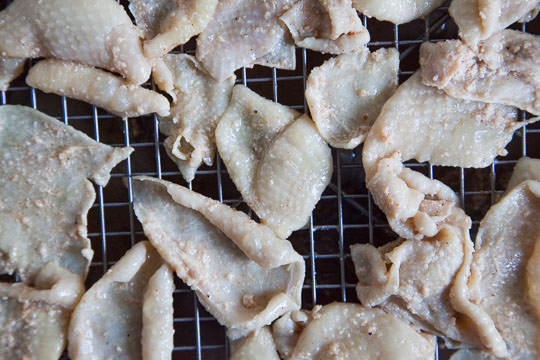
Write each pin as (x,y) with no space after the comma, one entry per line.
(345,215)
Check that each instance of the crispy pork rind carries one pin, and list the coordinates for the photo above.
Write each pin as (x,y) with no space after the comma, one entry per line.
(10,68)
(351,331)
(346,94)
(244,33)
(242,273)
(128,312)
(97,87)
(479,19)
(257,345)
(275,157)
(97,33)
(327,26)
(198,103)
(396,11)
(46,166)
(504,69)
(525,169)
(504,273)
(423,123)
(34,320)
(167,24)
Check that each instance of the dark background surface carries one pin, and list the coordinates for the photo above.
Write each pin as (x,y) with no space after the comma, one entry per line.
(345,215)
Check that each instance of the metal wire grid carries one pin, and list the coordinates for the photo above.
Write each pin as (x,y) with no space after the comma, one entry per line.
(344,216)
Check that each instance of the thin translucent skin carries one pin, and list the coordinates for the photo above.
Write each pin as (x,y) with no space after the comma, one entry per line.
(198,103)
(346,94)
(98,33)
(108,322)
(10,68)
(48,165)
(330,27)
(258,345)
(242,273)
(276,159)
(396,11)
(505,69)
(97,87)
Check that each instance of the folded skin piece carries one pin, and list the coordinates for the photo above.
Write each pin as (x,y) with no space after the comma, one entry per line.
(505,69)
(346,94)
(525,169)
(504,271)
(453,133)
(242,33)
(116,317)
(46,165)
(97,33)
(10,69)
(276,159)
(167,24)
(97,87)
(198,103)
(330,27)
(351,331)
(258,345)
(396,11)
(479,19)
(242,273)
(34,320)
(423,283)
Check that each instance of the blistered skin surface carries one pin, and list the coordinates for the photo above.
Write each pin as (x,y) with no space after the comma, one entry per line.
(198,103)
(10,69)
(396,11)
(479,19)
(98,33)
(499,283)
(346,94)
(34,320)
(350,331)
(505,69)
(275,157)
(108,321)
(46,165)
(330,27)
(97,87)
(243,275)
(258,345)
(241,33)
(453,133)
(167,24)
(157,316)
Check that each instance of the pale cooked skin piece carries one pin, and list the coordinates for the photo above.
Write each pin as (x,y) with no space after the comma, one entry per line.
(287,329)
(198,103)
(327,26)
(242,273)
(167,24)
(98,33)
(505,69)
(241,33)
(275,157)
(10,68)
(34,320)
(97,87)
(46,165)
(346,94)
(525,169)
(351,331)
(479,19)
(422,282)
(108,322)
(468,134)
(157,316)
(500,281)
(396,11)
(258,345)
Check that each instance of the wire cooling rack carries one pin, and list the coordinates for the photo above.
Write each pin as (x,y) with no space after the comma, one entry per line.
(345,215)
